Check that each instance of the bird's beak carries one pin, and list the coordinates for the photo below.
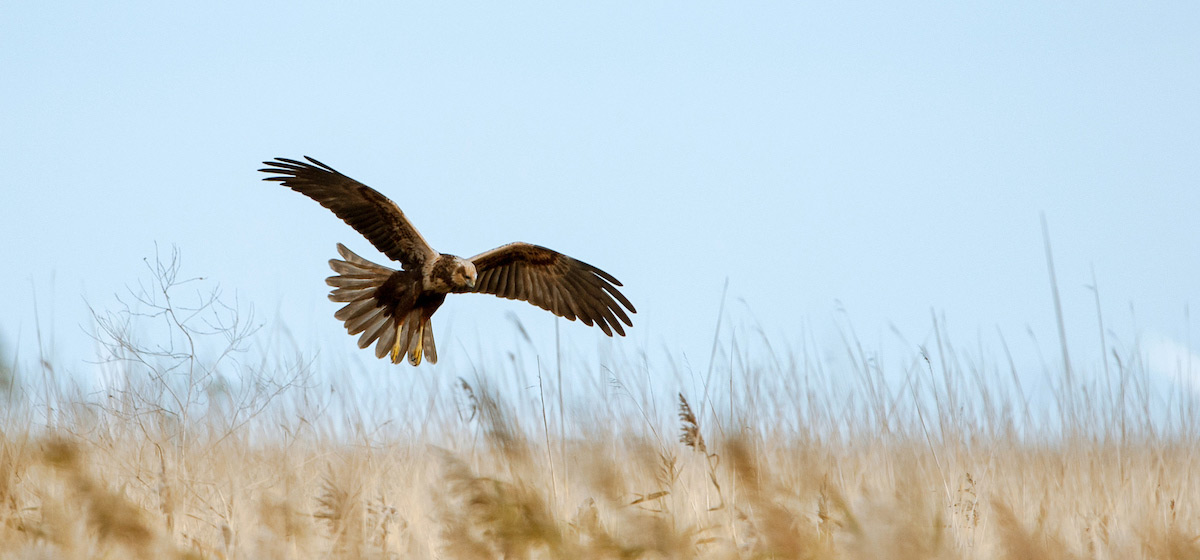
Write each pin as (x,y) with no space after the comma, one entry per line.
(471,283)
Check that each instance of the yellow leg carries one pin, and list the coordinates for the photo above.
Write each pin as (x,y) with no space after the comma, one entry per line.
(414,357)
(396,347)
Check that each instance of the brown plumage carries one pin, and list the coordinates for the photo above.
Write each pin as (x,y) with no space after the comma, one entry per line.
(392,308)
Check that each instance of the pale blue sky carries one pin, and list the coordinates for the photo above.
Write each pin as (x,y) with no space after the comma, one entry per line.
(886,159)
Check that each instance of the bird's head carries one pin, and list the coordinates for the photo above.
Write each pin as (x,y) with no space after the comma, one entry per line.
(464,274)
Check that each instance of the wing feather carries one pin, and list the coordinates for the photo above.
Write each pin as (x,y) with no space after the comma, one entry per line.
(373,215)
(501,283)
(528,291)
(555,282)
(510,282)
(565,303)
(586,299)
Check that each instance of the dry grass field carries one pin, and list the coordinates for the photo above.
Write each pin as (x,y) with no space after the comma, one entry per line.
(187,452)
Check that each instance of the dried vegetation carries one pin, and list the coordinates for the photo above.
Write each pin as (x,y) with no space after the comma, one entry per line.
(943,464)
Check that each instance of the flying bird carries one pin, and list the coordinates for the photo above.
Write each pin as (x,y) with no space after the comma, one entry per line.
(392,308)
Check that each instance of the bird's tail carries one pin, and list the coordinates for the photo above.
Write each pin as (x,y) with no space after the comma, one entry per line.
(398,331)
(415,339)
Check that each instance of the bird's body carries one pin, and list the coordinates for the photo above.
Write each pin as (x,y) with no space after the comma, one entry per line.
(393,307)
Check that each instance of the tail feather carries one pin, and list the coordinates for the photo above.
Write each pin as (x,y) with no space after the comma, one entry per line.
(373,332)
(404,343)
(387,339)
(356,285)
(412,336)
(352,259)
(399,333)
(355,282)
(355,309)
(427,338)
(352,271)
(346,295)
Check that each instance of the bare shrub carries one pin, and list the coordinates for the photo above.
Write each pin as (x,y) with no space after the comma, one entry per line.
(175,346)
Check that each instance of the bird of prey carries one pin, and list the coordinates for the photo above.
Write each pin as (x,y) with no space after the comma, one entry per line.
(394,307)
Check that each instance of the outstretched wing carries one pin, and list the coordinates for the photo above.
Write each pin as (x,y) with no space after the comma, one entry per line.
(555,282)
(367,211)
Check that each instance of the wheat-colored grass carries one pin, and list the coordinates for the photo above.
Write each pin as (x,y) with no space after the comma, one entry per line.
(772,459)
(119,490)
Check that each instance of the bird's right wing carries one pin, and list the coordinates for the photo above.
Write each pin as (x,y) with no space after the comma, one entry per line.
(559,284)
(373,215)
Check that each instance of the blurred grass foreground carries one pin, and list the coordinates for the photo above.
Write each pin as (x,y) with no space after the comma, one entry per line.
(187,447)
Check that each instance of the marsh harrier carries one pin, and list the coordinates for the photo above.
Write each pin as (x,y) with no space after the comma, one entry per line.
(393,307)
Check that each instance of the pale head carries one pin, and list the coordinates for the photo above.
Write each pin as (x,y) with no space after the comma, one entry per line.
(449,274)
(464,274)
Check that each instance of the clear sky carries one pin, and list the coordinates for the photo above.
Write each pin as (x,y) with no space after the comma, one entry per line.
(839,163)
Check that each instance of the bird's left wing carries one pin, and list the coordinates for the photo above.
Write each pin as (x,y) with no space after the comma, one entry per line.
(374,216)
(555,282)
